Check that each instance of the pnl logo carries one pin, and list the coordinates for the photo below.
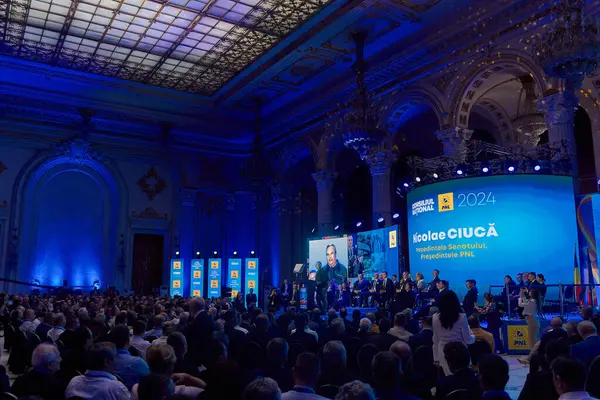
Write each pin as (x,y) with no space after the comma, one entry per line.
(446,202)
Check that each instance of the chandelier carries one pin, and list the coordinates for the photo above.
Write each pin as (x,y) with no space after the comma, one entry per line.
(529,123)
(359,126)
(569,49)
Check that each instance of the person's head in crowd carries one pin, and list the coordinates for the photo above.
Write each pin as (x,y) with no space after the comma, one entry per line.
(262,323)
(586,313)
(306,370)
(531,277)
(365,325)
(493,373)
(474,322)
(383,275)
(97,326)
(60,320)
(402,350)
(519,277)
(139,328)
(507,279)
(540,278)
(449,307)
(586,329)
(427,322)
(262,389)
(80,340)
(371,317)
(101,357)
(334,356)
(488,298)
(155,387)
(331,314)
(343,313)
(568,375)
(572,329)
(442,285)
(337,326)
(119,335)
(556,323)
(364,359)
(219,325)
(384,325)
(435,273)
(277,352)
(72,322)
(196,305)
(356,315)
(469,283)
(161,359)
(557,348)
(457,356)
(375,276)
(46,359)
(400,320)
(300,321)
(29,314)
(394,278)
(158,321)
(419,276)
(121,318)
(178,342)
(387,370)
(534,294)
(184,318)
(48,318)
(355,390)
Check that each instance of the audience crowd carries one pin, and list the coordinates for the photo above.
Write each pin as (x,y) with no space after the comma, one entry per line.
(151,348)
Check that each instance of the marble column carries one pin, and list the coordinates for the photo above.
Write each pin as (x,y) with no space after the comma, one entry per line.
(559,111)
(187,231)
(455,141)
(280,246)
(325,180)
(380,163)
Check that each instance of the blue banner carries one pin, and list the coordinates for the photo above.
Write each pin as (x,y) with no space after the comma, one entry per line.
(214,277)
(252,275)
(303,296)
(197,278)
(234,276)
(176,287)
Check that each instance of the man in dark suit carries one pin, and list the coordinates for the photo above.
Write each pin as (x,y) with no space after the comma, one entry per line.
(295,299)
(462,378)
(470,298)
(589,348)
(556,332)
(251,299)
(539,384)
(285,294)
(386,288)
(423,338)
(199,331)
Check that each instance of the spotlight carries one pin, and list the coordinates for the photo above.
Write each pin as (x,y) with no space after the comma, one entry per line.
(197,254)
(485,170)
(313,230)
(418,179)
(459,171)
(511,168)
(405,184)
(380,219)
(537,167)
(358,224)
(252,253)
(177,253)
(435,175)
(215,253)
(97,285)
(235,253)
(396,216)
(337,227)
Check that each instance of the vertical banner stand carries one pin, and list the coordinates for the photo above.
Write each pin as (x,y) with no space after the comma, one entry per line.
(234,276)
(214,277)
(197,278)
(176,286)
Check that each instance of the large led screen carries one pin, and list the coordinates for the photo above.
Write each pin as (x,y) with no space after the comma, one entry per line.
(487,227)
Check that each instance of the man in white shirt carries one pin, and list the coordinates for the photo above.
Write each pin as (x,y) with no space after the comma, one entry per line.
(399,330)
(569,376)
(99,381)
(31,323)
(137,339)
(59,327)
(306,374)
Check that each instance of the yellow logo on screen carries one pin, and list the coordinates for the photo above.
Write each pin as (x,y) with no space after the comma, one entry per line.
(234,293)
(446,202)
(251,284)
(214,284)
(251,264)
(176,264)
(214,265)
(196,274)
(235,274)
(196,293)
(393,239)
(176,284)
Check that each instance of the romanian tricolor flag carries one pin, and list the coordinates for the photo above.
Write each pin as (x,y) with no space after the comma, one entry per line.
(577,277)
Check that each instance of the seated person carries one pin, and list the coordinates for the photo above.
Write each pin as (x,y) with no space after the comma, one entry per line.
(41,381)
(458,359)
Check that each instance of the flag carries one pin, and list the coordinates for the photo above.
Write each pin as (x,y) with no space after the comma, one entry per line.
(577,277)
(592,281)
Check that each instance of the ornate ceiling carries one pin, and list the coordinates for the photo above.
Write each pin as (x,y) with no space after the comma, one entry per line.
(194,46)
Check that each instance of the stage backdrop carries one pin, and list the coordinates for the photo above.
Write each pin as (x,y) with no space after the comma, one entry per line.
(373,252)
(483,228)
(196,282)
(214,277)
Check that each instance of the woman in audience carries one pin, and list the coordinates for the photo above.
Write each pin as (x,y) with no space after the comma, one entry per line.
(449,325)
(421,285)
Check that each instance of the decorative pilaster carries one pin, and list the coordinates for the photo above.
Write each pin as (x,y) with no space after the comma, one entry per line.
(324,180)
(380,163)
(559,111)
(454,140)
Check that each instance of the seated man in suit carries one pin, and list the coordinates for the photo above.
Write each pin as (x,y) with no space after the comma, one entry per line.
(374,289)
(589,348)
(386,289)
(285,294)
(423,338)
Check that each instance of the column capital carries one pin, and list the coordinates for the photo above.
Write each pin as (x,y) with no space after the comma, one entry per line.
(188,197)
(454,140)
(324,179)
(380,161)
(559,108)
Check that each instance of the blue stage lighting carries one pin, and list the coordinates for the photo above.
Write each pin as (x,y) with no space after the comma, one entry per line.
(215,253)
(405,184)
(336,228)
(485,170)
(418,179)
(537,167)
(252,253)
(235,253)
(459,171)
(396,216)
(97,285)
(177,253)
(380,219)
(435,175)
(197,254)
(511,168)
(358,224)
